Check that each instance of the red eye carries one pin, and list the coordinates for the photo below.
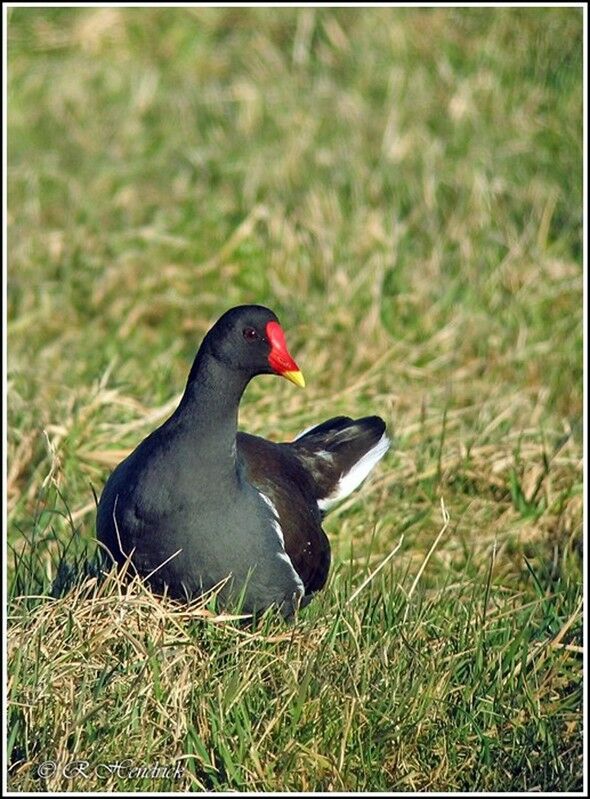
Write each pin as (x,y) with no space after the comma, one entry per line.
(249,333)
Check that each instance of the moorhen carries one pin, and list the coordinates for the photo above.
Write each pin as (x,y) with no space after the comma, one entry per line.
(197,503)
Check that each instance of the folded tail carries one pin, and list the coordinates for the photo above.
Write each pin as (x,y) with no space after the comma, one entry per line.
(340,453)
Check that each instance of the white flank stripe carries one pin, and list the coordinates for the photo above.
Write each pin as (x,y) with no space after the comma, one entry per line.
(275,514)
(353,478)
(283,555)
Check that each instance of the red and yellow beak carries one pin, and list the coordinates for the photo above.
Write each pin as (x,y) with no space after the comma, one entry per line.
(279,358)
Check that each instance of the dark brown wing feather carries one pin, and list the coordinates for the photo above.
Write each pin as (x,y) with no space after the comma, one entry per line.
(278,473)
(296,476)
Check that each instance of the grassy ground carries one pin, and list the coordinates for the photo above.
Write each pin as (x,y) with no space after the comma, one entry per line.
(404,188)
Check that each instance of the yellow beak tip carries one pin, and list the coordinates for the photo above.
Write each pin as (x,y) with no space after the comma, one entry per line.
(295,377)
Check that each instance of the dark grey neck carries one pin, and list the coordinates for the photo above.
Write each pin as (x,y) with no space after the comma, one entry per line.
(208,410)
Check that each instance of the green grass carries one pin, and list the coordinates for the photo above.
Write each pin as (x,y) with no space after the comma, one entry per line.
(404,188)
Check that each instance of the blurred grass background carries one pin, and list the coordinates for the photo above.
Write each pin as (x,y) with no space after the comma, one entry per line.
(404,188)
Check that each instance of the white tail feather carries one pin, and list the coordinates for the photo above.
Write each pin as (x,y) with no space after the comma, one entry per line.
(355,476)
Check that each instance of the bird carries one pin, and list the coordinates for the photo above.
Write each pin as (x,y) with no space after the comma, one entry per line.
(199,506)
